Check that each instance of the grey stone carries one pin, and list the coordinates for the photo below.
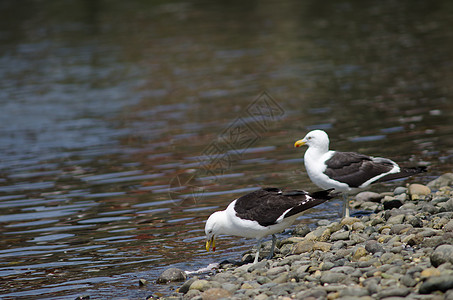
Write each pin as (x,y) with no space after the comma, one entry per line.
(327,265)
(449,226)
(354,292)
(186,285)
(400,228)
(171,274)
(332,277)
(259,265)
(429,208)
(368,197)
(343,269)
(340,235)
(447,206)
(373,246)
(338,245)
(393,292)
(396,219)
(444,180)
(399,190)
(231,287)
(317,293)
(442,254)
(437,283)
(200,285)
(301,230)
(408,281)
(414,221)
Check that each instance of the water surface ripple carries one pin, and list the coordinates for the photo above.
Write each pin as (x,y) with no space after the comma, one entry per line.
(124,125)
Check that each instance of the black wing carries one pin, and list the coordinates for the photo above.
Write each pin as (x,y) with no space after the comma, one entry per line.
(265,206)
(354,169)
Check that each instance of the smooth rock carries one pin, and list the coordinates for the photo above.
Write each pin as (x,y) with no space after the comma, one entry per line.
(430,272)
(399,190)
(413,239)
(368,197)
(442,254)
(354,292)
(414,221)
(449,226)
(438,283)
(443,180)
(332,277)
(358,226)
(339,236)
(301,230)
(200,285)
(349,221)
(447,206)
(397,219)
(418,189)
(215,293)
(373,246)
(323,246)
(317,293)
(171,274)
(359,253)
(393,292)
(276,270)
(400,228)
(408,281)
(304,246)
(429,208)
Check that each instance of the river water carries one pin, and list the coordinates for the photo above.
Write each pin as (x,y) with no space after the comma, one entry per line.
(124,124)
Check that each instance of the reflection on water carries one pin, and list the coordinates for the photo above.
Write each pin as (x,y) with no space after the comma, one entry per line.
(125,125)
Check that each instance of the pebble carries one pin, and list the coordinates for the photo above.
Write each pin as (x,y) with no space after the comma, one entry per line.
(403,249)
(416,190)
(442,254)
(171,274)
(368,197)
(215,293)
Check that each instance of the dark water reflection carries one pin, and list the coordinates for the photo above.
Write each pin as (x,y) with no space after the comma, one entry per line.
(125,124)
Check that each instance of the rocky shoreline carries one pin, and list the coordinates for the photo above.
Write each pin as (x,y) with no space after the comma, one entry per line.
(402,250)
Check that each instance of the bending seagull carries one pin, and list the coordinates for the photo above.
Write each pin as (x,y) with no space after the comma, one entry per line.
(346,171)
(261,213)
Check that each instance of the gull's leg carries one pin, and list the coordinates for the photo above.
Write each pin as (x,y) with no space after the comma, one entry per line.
(274,240)
(345,206)
(257,255)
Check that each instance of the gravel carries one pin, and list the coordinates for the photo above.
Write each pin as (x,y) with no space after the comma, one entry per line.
(403,249)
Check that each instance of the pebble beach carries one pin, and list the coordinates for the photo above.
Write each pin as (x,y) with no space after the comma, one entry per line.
(402,249)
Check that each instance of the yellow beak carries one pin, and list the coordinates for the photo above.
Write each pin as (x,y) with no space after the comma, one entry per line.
(210,243)
(299,143)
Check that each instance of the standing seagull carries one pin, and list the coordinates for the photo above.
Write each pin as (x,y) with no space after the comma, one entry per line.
(346,171)
(261,213)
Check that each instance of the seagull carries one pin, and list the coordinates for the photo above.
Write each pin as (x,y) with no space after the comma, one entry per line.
(261,213)
(346,172)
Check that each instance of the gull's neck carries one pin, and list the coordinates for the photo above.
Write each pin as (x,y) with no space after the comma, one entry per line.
(316,151)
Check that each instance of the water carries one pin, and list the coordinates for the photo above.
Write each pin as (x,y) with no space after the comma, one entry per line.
(124,125)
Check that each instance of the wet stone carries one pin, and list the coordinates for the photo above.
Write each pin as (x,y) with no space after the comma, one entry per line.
(171,274)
